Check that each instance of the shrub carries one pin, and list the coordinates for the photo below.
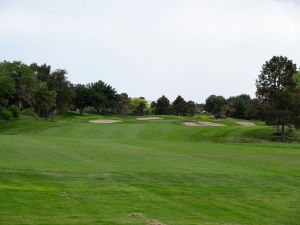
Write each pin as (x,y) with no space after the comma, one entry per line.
(5,114)
(89,110)
(14,110)
(29,112)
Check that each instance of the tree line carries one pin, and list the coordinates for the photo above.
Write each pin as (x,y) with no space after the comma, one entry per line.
(36,90)
(277,99)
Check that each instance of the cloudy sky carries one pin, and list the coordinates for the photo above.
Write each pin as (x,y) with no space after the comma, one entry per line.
(152,47)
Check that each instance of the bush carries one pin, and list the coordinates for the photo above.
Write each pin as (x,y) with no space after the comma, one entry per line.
(14,110)
(89,110)
(5,114)
(29,112)
(289,136)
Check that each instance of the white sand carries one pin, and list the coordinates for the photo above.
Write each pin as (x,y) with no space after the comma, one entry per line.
(105,121)
(192,124)
(203,123)
(211,124)
(148,221)
(150,118)
(246,124)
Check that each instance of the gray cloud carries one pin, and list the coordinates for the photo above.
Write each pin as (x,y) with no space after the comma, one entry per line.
(149,48)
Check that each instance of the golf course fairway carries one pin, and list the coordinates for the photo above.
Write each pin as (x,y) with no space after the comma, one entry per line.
(145,172)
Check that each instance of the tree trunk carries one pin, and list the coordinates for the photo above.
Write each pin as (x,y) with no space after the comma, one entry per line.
(282,129)
(277,128)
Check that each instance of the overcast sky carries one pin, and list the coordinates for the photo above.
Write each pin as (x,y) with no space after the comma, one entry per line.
(192,48)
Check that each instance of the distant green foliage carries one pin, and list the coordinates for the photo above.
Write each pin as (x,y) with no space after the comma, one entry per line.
(191,108)
(123,104)
(162,106)
(215,105)
(238,106)
(139,106)
(296,78)
(34,86)
(29,112)
(5,114)
(48,92)
(7,87)
(179,106)
(45,101)
(14,110)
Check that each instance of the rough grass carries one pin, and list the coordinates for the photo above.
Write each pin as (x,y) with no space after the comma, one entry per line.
(69,171)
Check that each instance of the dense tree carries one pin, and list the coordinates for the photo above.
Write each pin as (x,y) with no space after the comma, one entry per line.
(82,97)
(30,92)
(7,87)
(179,106)
(237,106)
(255,110)
(64,91)
(275,87)
(295,99)
(25,83)
(123,104)
(162,106)
(296,78)
(96,95)
(35,88)
(56,81)
(139,106)
(153,107)
(28,80)
(200,108)
(43,73)
(191,108)
(45,101)
(215,105)
(103,97)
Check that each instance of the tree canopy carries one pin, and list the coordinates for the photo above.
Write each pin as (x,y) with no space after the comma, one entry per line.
(276,86)
(215,105)
(162,106)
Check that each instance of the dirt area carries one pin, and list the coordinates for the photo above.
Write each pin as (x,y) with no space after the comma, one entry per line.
(105,121)
(150,118)
(246,123)
(148,221)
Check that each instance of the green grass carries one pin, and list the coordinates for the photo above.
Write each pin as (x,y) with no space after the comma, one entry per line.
(69,171)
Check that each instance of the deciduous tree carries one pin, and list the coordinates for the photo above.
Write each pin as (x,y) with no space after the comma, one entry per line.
(275,86)
(215,105)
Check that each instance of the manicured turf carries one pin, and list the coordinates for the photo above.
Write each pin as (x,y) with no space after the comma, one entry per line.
(69,171)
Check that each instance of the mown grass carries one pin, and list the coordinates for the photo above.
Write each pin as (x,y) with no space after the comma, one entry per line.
(69,171)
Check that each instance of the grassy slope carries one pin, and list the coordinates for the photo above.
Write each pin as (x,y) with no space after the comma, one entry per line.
(69,171)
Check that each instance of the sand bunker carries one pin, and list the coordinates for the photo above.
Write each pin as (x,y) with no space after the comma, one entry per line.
(211,124)
(105,121)
(150,118)
(192,124)
(148,221)
(246,124)
(203,123)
